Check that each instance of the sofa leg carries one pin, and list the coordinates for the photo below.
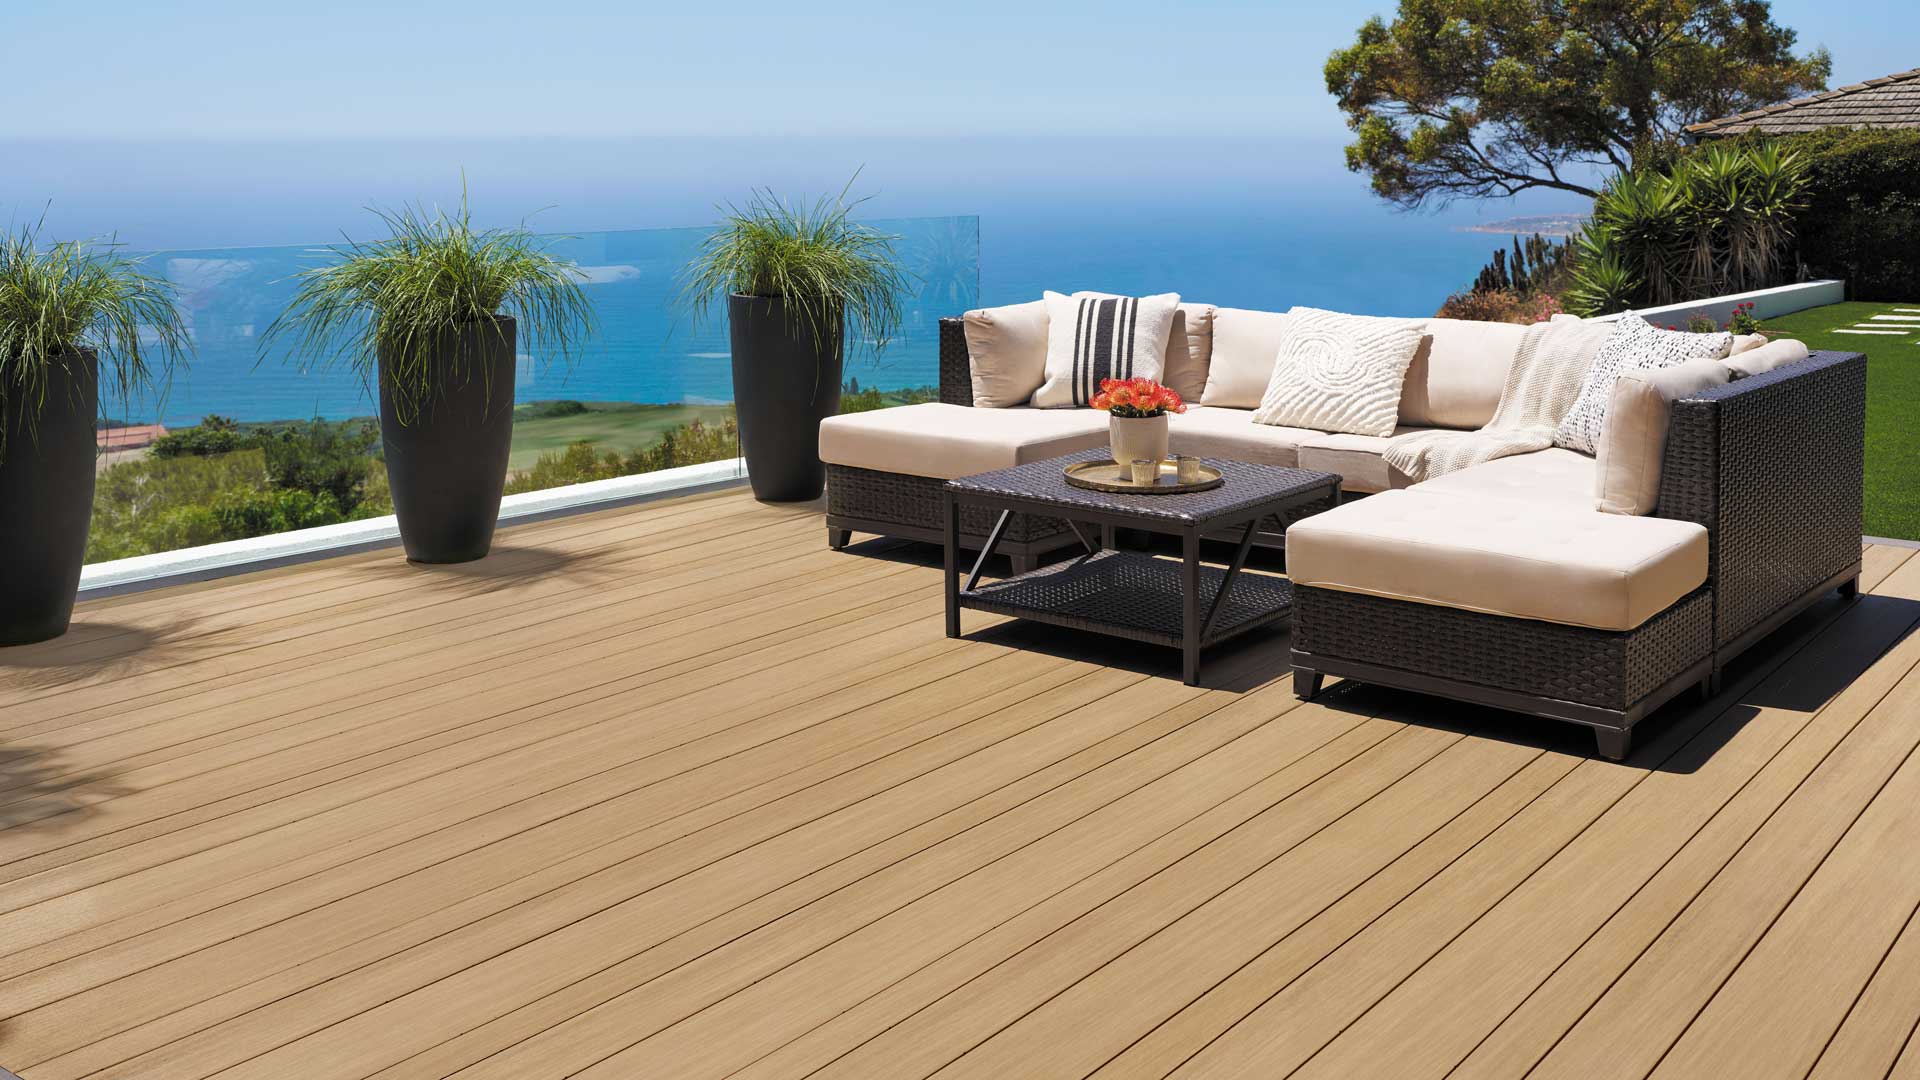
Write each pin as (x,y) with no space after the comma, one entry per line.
(1850,588)
(1614,742)
(837,539)
(1306,683)
(1023,563)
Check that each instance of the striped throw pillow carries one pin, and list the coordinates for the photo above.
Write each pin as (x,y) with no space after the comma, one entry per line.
(1090,338)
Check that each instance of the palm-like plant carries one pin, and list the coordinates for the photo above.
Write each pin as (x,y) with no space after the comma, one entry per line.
(829,269)
(60,302)
(404,298)
(1720,221)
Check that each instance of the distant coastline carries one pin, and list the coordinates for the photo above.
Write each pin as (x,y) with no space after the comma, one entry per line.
(1545,225)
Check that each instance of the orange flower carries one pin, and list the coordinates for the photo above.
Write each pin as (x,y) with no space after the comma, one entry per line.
(1121,395)
(1101,401)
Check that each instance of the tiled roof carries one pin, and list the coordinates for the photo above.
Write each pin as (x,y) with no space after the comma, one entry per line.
(1890,102)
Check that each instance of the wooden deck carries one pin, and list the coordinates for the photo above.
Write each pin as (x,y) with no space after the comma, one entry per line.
(674,791)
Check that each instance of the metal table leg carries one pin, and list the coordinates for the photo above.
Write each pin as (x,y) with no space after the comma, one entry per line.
(1190,607)
(953,565)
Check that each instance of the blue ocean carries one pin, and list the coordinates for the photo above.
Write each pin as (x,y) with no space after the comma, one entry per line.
(1233,222)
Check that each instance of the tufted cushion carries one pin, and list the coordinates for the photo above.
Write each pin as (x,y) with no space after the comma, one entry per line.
(1205,431)
(1339,373)
(1360,460)
(944,441)
(1521,560)
(1546,477)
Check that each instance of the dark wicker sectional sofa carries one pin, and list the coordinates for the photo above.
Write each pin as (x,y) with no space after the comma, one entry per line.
(1770,466)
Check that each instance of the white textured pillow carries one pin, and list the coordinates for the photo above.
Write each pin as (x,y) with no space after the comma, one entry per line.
(1634,343)
(1340,373)
(1244,345)
(1633,448)
(1090,338)
(1006,353)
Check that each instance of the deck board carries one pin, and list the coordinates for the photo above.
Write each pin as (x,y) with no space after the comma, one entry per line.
(674,790)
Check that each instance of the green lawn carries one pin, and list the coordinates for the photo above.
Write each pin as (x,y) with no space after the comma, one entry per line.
(610,425)
(1893,404)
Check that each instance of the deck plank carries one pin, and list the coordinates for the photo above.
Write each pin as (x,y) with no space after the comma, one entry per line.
(671,789)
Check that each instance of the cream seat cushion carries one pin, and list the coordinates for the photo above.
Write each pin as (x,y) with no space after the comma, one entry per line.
(1205,431)
(944,441)
(1503,557)
(1458,372)
(1245,344)
(1006,353)
(1552,477)
(1359,459)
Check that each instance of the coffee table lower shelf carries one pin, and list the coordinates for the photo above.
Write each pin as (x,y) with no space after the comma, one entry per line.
(1133,595)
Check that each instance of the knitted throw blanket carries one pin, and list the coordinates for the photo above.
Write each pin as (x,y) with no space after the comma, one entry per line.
(1541,386)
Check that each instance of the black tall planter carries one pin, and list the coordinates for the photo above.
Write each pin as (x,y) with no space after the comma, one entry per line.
(784,384)
(448,464)
(46,500)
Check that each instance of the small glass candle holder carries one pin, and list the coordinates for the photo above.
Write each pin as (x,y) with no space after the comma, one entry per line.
(1145,472)
(1187,468)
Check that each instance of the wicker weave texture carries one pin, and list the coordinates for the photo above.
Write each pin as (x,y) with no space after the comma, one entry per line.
(956,370)
(1773,466)
(1247,487)
(1604,669)
(920,502)
(1133,595)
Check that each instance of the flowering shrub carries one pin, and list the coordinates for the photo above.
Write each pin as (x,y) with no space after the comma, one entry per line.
(1701,323)
(1500,305)
(1743,321)
(1136,398)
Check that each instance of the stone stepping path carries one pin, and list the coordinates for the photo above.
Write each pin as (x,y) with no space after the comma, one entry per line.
(1895,322)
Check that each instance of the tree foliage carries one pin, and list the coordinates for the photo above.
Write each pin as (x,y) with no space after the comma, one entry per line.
(1489,98)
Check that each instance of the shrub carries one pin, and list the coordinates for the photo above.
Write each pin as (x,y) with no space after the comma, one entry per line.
(543,410)
(1721,219)
(137,504)
(1538,265)
(692,443)
(1862,216)
(238,513)
(215,434)
(1499,306)
(322,458)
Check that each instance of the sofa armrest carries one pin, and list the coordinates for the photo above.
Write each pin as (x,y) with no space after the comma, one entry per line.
(1773,466)
(956,370)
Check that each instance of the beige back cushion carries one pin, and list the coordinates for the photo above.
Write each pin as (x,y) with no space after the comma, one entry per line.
(1457,374)
(1766,357)
(1007,351)
(1634,442)
(1190,351)
(1245,344)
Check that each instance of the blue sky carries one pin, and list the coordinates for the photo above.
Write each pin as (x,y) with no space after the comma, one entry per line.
(608,68)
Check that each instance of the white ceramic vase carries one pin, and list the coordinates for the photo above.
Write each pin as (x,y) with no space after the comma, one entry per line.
(1137,438)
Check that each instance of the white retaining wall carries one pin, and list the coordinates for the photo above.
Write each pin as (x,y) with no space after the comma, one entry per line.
(1767,303)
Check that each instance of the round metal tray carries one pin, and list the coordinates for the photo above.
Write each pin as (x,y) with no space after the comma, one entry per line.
(1109,476)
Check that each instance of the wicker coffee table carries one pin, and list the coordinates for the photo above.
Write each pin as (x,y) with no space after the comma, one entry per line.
(1185,604)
